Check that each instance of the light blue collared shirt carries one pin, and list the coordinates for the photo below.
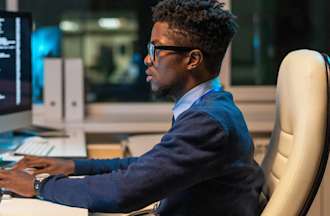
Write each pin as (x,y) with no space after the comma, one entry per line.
(193,95)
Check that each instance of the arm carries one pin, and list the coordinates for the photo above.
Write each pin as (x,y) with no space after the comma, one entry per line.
(56,166)
(93,167)
(188,154)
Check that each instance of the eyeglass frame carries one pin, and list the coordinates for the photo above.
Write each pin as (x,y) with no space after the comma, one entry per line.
(152,49)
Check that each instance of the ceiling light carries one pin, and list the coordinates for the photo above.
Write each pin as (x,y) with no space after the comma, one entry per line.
(69,26)
(109,23)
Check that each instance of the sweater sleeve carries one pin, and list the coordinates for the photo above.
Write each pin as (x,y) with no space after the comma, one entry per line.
(93,167)
(188,154)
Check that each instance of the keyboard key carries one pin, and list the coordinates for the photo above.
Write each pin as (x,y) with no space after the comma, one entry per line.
(36,146)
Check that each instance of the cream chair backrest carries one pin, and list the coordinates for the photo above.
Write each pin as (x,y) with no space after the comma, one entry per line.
(292,162)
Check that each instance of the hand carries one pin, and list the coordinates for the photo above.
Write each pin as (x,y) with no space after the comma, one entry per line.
(18,182)
(46,165)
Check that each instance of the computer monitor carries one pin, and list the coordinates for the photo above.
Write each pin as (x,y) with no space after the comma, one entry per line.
(15,70)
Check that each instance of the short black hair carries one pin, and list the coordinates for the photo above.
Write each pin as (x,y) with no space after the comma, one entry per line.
(203,23)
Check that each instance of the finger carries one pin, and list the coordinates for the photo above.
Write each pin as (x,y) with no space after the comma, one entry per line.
(22,163)
(31,157)
(19,166)
(29,170)
(37,165)
(27,158)
(45,170)
(4,183)
(4,174)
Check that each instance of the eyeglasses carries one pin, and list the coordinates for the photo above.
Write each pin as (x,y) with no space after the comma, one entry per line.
(152,49)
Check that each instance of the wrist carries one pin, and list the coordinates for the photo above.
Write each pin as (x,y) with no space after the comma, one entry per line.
(39,181)
(70,168)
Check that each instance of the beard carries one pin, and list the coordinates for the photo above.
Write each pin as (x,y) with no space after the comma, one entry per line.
(168,91)
(162,94)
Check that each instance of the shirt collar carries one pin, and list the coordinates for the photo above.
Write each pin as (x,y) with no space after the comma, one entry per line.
(193,95)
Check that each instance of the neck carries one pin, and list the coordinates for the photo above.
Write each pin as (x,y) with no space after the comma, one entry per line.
(190,85)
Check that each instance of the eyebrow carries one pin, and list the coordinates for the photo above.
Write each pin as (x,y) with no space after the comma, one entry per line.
(158,42)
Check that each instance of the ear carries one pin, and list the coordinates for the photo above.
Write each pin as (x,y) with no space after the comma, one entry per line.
(195,59)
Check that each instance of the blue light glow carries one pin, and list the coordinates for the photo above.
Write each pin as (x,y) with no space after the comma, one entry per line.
(46,42)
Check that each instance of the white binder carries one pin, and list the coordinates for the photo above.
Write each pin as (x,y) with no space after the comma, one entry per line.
(74,89)
(53,89)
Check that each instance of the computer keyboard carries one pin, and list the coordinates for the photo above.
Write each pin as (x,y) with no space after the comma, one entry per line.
(34,146)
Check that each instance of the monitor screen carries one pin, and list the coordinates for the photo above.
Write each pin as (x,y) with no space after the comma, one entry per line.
(15,70)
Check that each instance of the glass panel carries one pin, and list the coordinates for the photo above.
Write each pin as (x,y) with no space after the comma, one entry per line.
(110,36)
(47,36)
(2,4)
(269,30)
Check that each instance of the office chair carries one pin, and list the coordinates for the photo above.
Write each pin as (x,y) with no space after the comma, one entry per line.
(298,151)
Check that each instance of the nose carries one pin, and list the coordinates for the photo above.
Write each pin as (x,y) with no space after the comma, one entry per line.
(147,61)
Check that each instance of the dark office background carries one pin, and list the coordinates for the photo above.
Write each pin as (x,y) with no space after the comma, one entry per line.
(2,4)
(271,29)
(268,31)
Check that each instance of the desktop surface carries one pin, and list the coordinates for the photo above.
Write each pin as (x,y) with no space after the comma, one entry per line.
(72,146)
(35,207)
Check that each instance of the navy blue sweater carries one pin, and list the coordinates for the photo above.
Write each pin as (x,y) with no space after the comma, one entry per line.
(202,166)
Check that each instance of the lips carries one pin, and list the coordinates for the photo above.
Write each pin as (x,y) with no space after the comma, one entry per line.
(149,76)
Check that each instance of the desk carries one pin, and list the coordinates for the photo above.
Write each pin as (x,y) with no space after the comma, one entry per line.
(156,119)
(72,146)
(34,207)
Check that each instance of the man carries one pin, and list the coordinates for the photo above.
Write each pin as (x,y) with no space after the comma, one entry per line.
(202,166)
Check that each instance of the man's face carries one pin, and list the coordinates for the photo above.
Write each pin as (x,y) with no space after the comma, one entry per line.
(166,69)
